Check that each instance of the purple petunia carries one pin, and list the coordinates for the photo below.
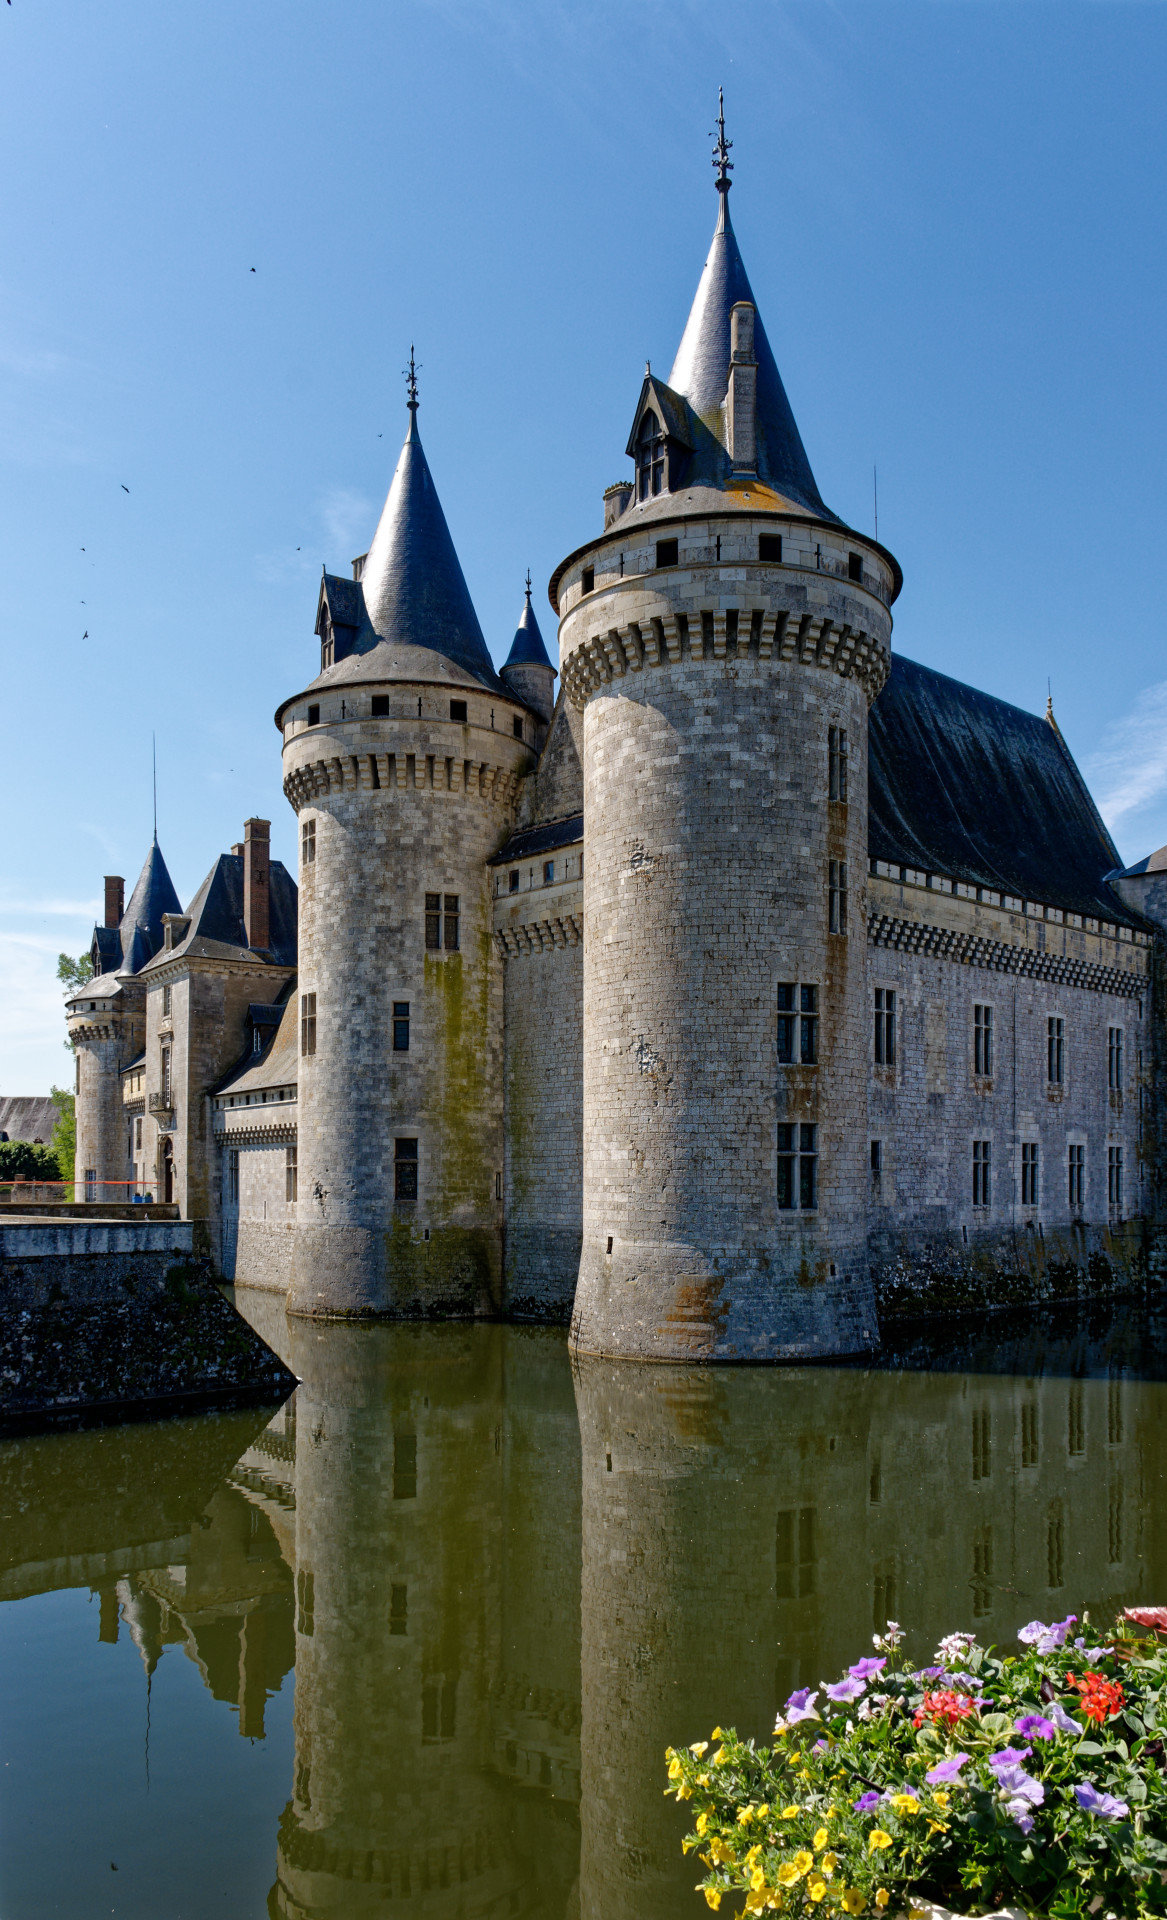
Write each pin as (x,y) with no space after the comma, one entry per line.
(1008,1757)
(1020,1792)
(1045,1639)
(800,1705)
(946,1770)
(1103,1806)
(1034,1726)
(844,1691)
(864,1669)
(933,1673)
(1063,1721)
(865,1802)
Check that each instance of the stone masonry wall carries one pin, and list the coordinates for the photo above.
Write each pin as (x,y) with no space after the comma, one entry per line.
(257,1231)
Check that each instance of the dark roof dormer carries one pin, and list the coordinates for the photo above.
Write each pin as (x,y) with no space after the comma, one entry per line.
(661,441)
(340,613)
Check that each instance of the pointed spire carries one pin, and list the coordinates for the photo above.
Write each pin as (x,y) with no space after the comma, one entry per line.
(700,371)
(140,931)
(527,648)
(415,592)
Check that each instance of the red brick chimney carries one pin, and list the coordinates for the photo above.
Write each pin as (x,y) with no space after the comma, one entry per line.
(115,899)
(256,888)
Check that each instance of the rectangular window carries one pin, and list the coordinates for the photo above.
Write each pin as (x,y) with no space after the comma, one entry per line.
(770,549)
(876,1166)
(1076,1420)
(587,580)
(837,763)
(1055,1546)
(982,1173)
(398,1607)
(450,929)
(233,1177)
(138,1134)
(518,726)
(291,1178)
(983,1042)
(457,710)
(405,1169)
(513,880)
(548,872)
(405,1466)
(401,1026)
(808,1001)
(786,1160)
(808,1166)
(794,1558)
(837,896)
(666,553)
(314,715)
(380,706)
(433,922)
(1029,1173)
(786,1024)
(1114,1178)
(307,843)
(1077,1175)
(91,1183)
(1029,1433)
(1114,1057)
(855,566)
(307,1023)
(982,1444)
(1055,1050)
(885,1027)
(167,1003)
(165,1077)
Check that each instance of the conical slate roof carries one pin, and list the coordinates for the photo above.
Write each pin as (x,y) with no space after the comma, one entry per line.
(700,373)
(527,649)
(414,590)
(140,931)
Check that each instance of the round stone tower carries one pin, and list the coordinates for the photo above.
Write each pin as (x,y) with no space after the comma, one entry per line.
(724,636)
(402,760)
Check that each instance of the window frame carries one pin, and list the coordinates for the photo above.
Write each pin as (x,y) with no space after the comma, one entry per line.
(982,1175)
(1114,1059)
(307,1025)
(982,1040)
(1075,1175)
(884,1036)
(1055,1060)
(837,757)
(1030,1174)
(308,842)
(405,1169)
(291,1172)
(400,1024)
(837,898)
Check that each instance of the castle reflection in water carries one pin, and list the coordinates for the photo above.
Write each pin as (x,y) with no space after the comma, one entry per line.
(506,1583)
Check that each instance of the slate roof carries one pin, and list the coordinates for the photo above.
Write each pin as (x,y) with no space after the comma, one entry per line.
(215,915)
(527,648)
(700,375)
(344,600)
(136,939)
(965,785)
(28,1116)
(540,839)
(278,1064)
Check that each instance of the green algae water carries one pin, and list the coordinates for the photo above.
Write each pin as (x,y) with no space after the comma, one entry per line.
(414,1642)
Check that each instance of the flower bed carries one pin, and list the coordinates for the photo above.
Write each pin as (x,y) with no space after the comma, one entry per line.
(1034,1779)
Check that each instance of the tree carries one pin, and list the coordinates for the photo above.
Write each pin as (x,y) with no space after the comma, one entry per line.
(27,1160)
(74,973)
(64,1141)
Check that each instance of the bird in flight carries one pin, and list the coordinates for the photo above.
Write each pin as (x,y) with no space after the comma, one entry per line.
(124,487)
(85,635)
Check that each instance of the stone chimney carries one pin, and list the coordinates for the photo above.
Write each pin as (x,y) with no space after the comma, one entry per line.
(256,885)
(616,502)
(741,399)
(115,899)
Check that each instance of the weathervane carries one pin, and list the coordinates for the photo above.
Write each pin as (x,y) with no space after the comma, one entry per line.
(411,383)
(721,159)
(528,583)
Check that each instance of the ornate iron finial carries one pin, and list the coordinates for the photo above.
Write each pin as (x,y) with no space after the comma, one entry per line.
(528,583)
(721,152)
(411,382)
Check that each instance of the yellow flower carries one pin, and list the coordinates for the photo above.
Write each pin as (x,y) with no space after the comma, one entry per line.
(882,1897)
(712,1896)
(745,1816)
(718,1757)
(828,1863)
(753,1856)
(791,1813)
(763,1810)
(905,1803)
(820,1839)
(941,1800)
(684,1793)
(702,1824)
(758,1878)
(853,1900)
(698,1748)
(803,1860)
(816,1886)
(721,1852)
(780,1728)
(877,1839)
(674,1769)
(938,1826)
(788,1873)
(702,1779)
(716,1734)
(755,1900)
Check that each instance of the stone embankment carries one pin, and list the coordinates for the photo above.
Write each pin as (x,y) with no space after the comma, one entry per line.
(107,1318)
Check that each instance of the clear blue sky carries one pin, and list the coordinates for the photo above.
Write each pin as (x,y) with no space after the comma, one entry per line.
(953,218)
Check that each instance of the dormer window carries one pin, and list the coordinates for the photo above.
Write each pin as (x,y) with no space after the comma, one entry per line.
(327,644)
(650,457)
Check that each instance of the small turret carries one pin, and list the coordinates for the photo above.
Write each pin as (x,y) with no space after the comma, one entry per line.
(528,672)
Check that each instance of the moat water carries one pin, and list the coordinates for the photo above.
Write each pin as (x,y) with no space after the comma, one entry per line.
(414,1642)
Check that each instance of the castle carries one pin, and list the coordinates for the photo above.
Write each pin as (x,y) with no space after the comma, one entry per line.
(760,986)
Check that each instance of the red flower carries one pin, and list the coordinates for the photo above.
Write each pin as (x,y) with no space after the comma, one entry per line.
(1100,1698)
(944,1708)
